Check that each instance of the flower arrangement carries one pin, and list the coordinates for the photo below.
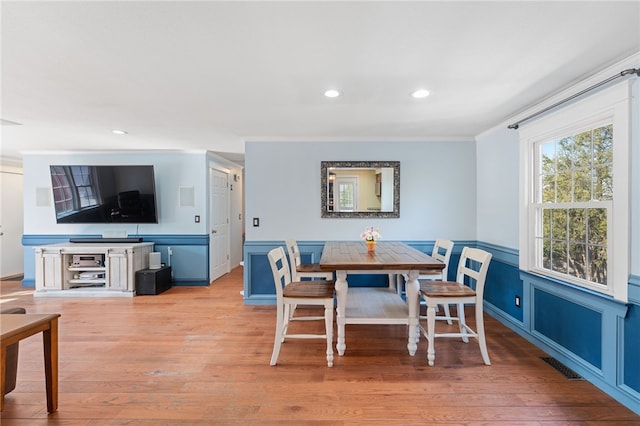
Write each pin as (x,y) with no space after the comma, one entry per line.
(371,234)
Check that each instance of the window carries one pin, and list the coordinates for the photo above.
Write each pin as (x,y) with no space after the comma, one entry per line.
(347,189)
(74,188)
(63,194)
(86,192)
(574,177)
(575,210)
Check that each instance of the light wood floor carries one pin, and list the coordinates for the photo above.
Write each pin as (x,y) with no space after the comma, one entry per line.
(197,355)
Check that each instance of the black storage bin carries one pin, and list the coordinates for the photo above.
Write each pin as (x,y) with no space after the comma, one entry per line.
(153,281)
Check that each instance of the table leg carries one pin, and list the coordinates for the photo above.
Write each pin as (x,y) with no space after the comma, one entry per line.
(50,343)
(3,377)
(341,296)
(412,288)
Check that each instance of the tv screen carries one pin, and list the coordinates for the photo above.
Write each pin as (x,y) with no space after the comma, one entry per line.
(104,194)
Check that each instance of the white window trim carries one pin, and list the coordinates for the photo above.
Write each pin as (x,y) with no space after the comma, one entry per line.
(612,103)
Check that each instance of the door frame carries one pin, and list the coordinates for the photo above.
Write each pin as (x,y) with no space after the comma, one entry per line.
(217,167)
(11,222)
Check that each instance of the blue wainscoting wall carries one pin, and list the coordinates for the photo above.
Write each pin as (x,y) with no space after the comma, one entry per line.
(570,325)
(258,279)
(585,331)
(592,334)
(631,355)
(189,259)
(503,283)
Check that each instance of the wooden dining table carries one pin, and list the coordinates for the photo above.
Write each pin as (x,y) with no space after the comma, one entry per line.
(376,305)
(15,327)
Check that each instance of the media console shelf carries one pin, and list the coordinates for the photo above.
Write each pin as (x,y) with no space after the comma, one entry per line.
(100,269)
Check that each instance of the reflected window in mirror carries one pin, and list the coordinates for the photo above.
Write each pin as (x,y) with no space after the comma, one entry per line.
(356,189)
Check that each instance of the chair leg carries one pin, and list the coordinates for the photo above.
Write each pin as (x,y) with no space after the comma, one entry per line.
(418,328)
(482,341)
(279,334)
(462,323)
(328,323)
(447,312)
(431,330)
(287,315)
(292,310)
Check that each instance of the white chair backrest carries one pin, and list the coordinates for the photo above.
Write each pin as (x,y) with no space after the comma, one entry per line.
(281,273)
(442,251)
(474,263)
(294,257)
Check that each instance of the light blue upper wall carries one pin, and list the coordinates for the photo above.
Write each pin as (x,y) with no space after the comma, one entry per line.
(437,190)
(497,187)
(172,171)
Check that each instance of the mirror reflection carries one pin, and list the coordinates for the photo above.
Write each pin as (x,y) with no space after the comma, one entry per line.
(360,188)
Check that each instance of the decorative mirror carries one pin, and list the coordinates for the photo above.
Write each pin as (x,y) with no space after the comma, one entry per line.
(360,189)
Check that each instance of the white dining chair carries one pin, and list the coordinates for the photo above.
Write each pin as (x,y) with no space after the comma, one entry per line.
(291,293)
(441,251)
(301,270)
(472,268)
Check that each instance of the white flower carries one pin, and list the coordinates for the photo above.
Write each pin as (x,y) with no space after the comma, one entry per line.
(371,234)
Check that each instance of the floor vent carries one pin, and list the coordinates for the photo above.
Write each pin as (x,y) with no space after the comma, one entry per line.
(563,369)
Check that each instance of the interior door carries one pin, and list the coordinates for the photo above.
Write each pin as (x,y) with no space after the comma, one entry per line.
(219,262)
(11,212)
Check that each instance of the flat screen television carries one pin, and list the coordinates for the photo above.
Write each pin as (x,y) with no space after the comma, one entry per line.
(104,194)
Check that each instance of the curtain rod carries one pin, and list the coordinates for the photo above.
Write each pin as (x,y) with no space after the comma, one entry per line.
(624,73)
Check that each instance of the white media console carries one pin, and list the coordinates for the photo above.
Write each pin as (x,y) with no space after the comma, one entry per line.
(89,269)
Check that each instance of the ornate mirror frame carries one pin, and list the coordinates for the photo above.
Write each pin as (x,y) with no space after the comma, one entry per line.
(324,175)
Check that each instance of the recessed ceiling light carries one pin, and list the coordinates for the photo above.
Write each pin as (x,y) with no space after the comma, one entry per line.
(420,93)
(119,132)
(332,93)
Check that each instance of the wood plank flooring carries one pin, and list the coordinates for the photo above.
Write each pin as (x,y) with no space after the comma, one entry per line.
(198,355)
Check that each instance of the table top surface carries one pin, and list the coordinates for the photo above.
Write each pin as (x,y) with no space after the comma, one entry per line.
(11,324)
(388,255)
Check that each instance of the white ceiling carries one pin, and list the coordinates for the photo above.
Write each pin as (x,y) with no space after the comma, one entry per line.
(210,75)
